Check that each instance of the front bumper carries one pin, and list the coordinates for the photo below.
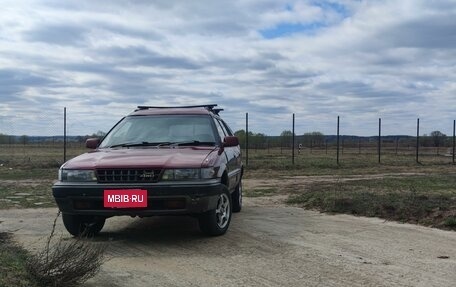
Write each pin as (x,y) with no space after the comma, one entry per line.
(163,198)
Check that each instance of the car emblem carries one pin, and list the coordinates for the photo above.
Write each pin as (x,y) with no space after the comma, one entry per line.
(147,175)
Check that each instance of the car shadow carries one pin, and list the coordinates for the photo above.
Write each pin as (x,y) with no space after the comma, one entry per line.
(158,229)
(161,236)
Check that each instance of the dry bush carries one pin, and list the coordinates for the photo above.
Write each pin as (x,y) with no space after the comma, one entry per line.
(66,263)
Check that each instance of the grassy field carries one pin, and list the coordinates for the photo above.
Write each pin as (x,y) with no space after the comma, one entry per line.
(267,163)
(398,188)
(26,187)
(428,199)
(37,155)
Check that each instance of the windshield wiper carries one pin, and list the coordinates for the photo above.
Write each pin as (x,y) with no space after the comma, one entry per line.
(134,144)
(160,144)
(183,143)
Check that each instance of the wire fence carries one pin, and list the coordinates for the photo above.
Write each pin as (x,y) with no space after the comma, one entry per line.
(314,147)
(259,150)
(40,146)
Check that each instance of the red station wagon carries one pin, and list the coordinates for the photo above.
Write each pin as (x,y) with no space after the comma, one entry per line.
(155,161)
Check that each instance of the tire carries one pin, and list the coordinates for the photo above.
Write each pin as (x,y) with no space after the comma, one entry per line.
(83,225)
(216,222)
(236,198)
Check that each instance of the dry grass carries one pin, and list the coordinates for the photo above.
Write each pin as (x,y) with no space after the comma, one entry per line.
(37,155)
(274,163)
(66,263)
(26,187)
(427,199)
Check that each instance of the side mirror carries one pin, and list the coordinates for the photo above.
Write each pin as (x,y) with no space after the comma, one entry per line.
(92,143)
(230,141)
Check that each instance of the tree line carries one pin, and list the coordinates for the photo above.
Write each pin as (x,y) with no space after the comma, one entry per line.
(308,139)
(25,139)
(318,139)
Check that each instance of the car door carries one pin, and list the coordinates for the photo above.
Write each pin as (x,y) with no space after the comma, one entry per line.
(233,157)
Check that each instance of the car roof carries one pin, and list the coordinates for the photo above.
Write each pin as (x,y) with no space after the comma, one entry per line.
(185,110)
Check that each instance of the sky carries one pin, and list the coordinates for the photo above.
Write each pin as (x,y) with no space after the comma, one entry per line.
(360,60)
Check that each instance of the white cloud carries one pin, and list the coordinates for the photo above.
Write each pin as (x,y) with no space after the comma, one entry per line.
(363,60)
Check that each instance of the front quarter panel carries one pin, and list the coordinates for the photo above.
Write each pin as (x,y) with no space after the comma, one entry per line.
(234,166)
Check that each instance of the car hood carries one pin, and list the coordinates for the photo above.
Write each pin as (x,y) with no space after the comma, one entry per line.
(182,157)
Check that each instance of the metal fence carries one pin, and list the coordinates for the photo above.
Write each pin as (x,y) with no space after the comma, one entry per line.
(435,147)
(54,148)
(25,141)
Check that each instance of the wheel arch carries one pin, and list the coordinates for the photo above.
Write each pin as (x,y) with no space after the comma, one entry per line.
(224,179)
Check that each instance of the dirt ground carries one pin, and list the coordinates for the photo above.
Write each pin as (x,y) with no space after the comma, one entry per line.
(268,244)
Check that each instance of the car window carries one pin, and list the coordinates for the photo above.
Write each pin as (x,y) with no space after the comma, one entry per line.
(220,130)
(226,128)
(161,128)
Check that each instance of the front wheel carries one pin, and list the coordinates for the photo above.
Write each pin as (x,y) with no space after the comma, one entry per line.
(82,225)
(215,222)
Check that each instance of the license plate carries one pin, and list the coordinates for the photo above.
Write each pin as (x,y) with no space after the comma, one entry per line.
(125,198)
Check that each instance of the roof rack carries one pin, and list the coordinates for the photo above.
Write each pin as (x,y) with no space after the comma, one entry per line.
(209,107)
(217,111)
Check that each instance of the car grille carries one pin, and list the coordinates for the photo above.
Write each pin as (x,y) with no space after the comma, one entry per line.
(128,175)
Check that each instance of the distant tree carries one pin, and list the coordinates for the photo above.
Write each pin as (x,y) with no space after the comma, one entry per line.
(100,134)
(3,138)
(286,133)
(24,139)
(241,136)
(438,138)
(313,139)
(425,140)
(255,139)
(258,139)
(286,138)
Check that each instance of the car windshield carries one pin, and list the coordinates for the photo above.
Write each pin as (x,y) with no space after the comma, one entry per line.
(161,130)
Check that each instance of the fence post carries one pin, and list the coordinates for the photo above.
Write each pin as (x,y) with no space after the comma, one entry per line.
(337,157)
(64,135)
(246,139)
(454,135)
(293,142)
(417,139)
(379,139)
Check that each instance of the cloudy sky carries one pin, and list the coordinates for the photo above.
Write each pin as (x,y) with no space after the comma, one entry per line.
(318,59)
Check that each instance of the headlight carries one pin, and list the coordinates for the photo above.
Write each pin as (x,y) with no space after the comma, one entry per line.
(209,172)
(76,175)
(189,174)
